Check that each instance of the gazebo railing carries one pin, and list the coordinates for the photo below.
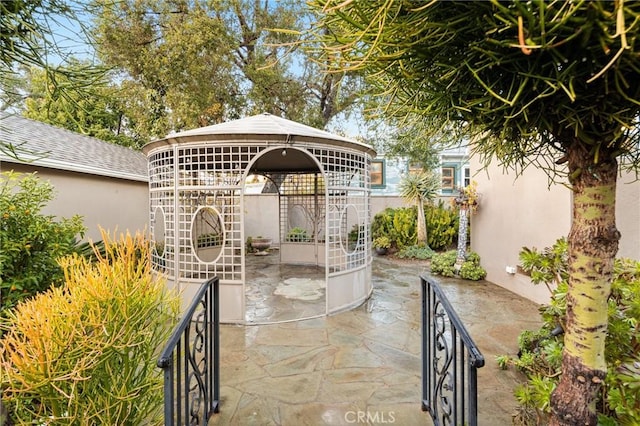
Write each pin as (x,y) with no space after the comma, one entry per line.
(450,360)
(191,361)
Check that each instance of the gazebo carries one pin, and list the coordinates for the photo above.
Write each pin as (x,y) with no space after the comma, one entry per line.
(197,182)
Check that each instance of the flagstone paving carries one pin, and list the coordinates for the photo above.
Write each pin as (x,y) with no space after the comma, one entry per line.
(363,366)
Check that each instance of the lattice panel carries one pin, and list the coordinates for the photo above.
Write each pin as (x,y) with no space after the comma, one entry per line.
(162,210)
(210,177)
(219,166)
(225,261)
(302,206)
(343,169)
(348,215)
(349,228)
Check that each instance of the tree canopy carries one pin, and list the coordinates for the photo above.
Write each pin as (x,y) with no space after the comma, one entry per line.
(537,76)
(44,34)
(95,111)
(190,64)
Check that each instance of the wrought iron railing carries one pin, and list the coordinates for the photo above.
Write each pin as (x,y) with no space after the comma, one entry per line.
(450,360)
(191,362)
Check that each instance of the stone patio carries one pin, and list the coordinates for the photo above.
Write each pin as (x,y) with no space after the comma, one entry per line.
(363,366)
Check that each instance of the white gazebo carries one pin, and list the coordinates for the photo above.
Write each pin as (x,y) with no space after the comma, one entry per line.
(197,204)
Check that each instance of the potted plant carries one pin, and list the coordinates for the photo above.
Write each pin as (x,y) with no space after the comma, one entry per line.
(261,245)
(381,244)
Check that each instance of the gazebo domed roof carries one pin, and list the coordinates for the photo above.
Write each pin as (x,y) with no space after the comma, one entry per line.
(266,127)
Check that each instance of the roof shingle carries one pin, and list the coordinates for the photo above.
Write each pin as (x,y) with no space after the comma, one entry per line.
(44,145)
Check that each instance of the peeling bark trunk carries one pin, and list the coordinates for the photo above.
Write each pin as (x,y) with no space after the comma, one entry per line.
(593,244)
(422,224)
(463,225)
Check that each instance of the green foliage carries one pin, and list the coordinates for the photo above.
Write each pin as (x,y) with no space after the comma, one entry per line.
(471,269)
(382,242)
(248,247)
(85,353)
(415,252)
(200,63)
(548,266)
(418,189)
(96,110)
(298,235)
(399,225)
(519,115)
(540,351)
(355,234)
(442,226)
(445,264)
(536,394)
(31,242)
(403,227)
(28,39)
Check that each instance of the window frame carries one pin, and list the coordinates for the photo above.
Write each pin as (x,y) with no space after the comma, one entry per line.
(378,179)
(448,187)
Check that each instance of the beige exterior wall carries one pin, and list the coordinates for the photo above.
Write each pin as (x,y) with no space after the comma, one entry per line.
(524,212)
(628,216)
(381,202)
(261,217)
(113,204)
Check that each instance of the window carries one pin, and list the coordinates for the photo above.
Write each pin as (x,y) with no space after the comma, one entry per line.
(467,176)
(448,177)
(377,173)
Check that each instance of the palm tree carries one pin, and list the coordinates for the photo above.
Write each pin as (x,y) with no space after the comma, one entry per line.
(419,188)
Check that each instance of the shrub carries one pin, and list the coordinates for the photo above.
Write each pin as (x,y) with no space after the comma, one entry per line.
(445,264)
(540,351)
(442,226)
(382,242)
(85,353)
(415,252)
(471,269)
(399,225)
(31,242)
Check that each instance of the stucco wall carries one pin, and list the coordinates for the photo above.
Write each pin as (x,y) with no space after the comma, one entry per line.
(628,216)
(261,217)
(525,212)
(110,203)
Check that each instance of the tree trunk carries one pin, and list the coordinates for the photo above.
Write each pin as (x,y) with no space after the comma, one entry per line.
(593,244)
(463,225)
(422,224)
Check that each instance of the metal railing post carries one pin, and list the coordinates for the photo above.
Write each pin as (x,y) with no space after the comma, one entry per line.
(190,361)
(450,360)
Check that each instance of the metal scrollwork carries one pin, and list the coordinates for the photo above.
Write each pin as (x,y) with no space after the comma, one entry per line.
(197,361)
(450,360)
(190,362)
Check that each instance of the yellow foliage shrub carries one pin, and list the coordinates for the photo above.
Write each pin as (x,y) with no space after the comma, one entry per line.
(85,353)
